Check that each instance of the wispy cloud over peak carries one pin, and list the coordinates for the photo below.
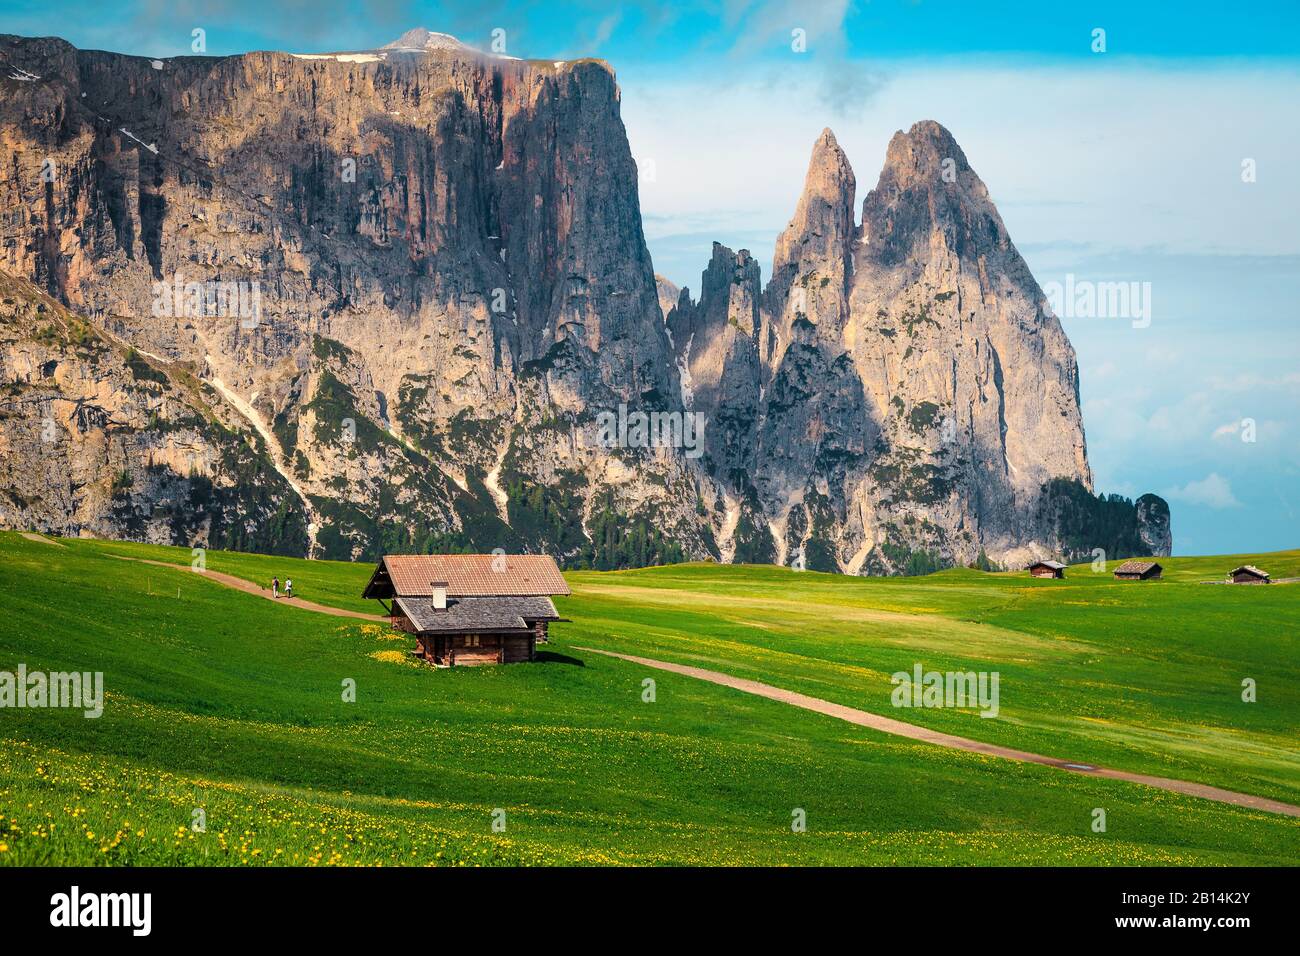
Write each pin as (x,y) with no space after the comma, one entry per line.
(1212,491)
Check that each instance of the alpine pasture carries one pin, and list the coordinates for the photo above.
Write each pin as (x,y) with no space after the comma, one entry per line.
(226,738)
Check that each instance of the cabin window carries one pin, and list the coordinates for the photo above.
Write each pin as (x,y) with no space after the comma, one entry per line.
(471,640)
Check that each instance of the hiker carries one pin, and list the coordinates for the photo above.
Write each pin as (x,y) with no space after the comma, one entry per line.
(275,587)
(288,587)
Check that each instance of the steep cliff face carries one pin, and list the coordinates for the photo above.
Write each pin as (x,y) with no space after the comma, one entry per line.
(1153,524)
(97,437)
(388,300)
(715,340)
(914,396)
(975,383)
(443,249)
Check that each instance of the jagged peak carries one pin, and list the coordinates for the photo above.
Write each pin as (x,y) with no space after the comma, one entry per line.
(826,140)
(931,131)
(828,158)
(823,224)
(668,293)
(830,175)
(923,150)
(731,256)
(927,189)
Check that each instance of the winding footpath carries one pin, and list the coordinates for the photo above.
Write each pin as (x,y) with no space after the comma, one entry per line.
(248,587)
(900,729)
(852,715)
(40,538)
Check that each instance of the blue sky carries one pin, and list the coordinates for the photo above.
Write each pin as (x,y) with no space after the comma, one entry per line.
(653,32)
(1117,165)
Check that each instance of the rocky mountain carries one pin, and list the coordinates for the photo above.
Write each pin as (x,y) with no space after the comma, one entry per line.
(898,396)
(384,300)
(421,40)
(96,437)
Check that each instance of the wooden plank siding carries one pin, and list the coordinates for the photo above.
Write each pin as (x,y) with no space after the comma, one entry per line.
(471,650)
(520,648)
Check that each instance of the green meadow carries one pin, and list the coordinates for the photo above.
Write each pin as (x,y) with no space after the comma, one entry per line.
(227,709)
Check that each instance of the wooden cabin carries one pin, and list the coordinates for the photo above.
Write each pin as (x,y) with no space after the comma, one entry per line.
(1047,569)
(468,609)
(1248,574)
(1139,571)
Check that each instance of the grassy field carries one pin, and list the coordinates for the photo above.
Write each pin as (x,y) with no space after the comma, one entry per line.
(223,702)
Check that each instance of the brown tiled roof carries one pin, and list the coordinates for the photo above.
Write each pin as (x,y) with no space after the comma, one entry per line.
(1250,568)
(467,575)
(1136,567)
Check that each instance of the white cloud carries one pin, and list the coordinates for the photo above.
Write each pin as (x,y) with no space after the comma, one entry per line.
(758,26)
(1103,371)
(1251,382)
(1230,430)
(1134,156)
(1212,491)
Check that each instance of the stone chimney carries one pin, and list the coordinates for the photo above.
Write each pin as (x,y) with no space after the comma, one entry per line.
(439,595)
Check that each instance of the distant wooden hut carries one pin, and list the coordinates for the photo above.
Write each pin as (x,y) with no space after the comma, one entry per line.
(1139,571)
(1047,569)
(1248,574)
(469,609)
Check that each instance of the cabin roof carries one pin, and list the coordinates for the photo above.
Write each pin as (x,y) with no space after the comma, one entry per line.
(477,615)
(1250,569)
(1054,565)
(1136,567)
(466,575)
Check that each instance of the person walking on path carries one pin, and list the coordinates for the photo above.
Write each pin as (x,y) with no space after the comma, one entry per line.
(275,587)
(288,587)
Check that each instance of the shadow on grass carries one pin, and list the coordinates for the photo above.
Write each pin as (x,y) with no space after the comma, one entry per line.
(550,657)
